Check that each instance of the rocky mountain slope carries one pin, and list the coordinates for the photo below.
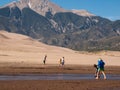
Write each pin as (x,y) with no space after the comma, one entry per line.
(43,6)
(53,25)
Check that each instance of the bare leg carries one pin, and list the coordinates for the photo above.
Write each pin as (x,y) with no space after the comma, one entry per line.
(95,73)
(98,73)
(104,74)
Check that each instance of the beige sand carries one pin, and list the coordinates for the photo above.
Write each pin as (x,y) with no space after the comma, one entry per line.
(22,49)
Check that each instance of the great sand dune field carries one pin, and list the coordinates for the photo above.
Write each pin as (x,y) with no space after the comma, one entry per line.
(20,54)
(18,48)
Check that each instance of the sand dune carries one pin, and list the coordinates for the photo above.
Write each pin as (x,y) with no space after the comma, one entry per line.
(23,49)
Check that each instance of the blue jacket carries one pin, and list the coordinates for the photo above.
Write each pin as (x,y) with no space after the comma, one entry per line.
(101,64)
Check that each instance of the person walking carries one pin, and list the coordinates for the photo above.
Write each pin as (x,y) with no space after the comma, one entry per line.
(60,62)
(101,64)
(63,61)
(44,60)
(96,67)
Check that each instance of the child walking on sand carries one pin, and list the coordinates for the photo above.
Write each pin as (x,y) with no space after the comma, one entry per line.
(44,60)
(96,67)
(60,62)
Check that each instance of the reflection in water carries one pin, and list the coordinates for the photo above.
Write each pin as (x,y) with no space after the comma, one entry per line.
(55,77)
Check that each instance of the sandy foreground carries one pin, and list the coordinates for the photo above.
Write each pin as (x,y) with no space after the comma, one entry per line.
(60,85)
(22,55)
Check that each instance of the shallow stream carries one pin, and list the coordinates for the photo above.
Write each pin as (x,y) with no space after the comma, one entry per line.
(56,77)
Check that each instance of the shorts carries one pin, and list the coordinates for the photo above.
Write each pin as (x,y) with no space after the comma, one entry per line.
(100,69)
(62,63)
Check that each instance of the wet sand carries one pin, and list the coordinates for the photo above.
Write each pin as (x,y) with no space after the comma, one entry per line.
(57,84)
(61,85)
(19,68)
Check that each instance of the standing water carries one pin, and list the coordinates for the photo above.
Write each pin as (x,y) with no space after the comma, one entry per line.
(55,77)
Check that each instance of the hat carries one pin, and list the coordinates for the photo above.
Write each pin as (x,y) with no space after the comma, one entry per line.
(99,59)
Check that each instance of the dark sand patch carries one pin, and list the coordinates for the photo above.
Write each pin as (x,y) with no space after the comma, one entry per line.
(61,85)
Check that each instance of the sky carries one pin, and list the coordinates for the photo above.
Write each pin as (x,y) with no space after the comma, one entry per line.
(105,8)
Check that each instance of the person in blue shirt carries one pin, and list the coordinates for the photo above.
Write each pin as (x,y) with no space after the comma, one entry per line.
(100,65)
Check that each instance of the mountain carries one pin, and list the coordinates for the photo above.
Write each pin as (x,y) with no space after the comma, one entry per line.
(39,6)
(81,12)
(43,6)
(51,24)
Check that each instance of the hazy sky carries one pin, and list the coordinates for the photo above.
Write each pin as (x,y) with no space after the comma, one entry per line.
(105,8)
